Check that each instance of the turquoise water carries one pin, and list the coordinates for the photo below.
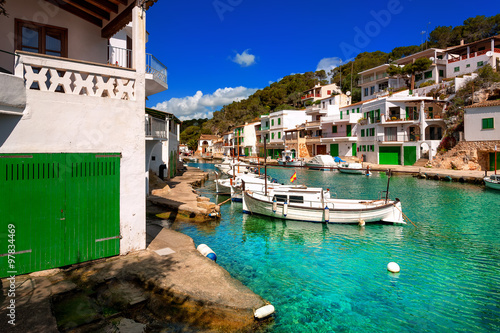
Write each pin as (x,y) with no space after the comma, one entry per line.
(334,278)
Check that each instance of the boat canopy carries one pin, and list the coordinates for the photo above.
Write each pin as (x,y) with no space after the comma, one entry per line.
(325,160)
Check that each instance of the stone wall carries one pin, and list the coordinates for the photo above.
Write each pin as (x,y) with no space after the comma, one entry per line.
(467,155)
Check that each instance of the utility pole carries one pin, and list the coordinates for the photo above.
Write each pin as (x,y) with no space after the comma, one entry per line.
(422,39)
(427,35)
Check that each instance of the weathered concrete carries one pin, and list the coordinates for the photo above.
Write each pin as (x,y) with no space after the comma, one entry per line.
(181,202)
(142,290)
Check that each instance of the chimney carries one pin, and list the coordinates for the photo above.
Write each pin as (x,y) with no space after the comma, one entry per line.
(461,42)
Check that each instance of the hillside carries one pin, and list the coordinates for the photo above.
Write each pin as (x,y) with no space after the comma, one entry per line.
(286,93)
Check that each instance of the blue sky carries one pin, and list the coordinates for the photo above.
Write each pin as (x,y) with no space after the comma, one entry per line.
(218,51)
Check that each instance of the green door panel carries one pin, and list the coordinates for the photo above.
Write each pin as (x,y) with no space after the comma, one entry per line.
(64,209)
(334,149)
(492,161)
(389,155)
(354,149)
(409,155)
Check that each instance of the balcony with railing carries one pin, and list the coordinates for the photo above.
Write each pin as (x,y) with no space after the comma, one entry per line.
(155,128)
(308,96)
(313,124)
(156,72)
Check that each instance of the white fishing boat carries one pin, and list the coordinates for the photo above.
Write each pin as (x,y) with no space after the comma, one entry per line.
(315,205)
(287,159)
(322,162)
(492,181)
(229,164)
(352,168)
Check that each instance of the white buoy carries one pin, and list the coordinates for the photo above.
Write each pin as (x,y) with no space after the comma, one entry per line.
(393,267)
(264,311)
(275,206)
(361,222)
(207,252)
(327,214)
(285,208)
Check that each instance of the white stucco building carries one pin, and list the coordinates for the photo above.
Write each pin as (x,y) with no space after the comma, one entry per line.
(72,131)
(482,121)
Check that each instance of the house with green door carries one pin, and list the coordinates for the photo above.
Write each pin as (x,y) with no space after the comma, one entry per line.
(72,136)
(400,129)
(340,129)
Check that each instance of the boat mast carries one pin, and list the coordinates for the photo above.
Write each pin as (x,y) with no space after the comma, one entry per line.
(265,166)
(495,159)
(388,181)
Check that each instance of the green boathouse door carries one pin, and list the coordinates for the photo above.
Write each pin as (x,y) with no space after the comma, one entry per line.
(58,209)
(389,155)
(409,155)
(334,149)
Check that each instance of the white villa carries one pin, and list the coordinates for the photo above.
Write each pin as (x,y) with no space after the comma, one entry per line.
(245,139)
(319,92)
(273,127)
(206,144)
(72,136)
(482,121)
(399,130)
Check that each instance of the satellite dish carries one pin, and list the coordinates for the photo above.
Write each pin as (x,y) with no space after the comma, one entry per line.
(348,93)
(489,54)
(431,59)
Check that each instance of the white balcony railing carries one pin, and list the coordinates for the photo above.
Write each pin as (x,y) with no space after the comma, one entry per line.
(155,67)
(55,74)
(155,128)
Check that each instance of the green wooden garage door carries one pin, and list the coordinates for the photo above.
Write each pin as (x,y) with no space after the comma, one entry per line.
(389,155)
(409,155)
(60,209)
(492,161)
(334,149)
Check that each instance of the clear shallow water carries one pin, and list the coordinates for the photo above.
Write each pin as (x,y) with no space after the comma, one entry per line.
(333,278)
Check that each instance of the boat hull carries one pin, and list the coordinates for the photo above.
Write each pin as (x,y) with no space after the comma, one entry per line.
(491,184)
(341,211)
(351,171)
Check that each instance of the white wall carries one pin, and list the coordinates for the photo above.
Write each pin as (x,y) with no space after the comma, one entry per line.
(473,123)
(84,38)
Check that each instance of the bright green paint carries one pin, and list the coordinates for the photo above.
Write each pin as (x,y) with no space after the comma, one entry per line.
(354,152)
(60,205)
(334,149)
(389,155)
(409,155)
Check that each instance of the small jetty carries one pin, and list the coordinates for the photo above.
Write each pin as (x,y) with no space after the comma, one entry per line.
(179,200)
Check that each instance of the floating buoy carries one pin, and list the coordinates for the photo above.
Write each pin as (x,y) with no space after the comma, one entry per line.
(264,311)
(327,214)
(285,208)
(393,267)
(207,252)
(361,222)
(275,206)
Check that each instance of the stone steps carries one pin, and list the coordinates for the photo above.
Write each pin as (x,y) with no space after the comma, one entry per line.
(421,162)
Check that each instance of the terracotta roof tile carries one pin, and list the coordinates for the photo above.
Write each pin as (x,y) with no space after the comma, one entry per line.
(484,104)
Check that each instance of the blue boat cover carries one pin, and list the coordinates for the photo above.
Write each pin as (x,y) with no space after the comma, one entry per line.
(338,159)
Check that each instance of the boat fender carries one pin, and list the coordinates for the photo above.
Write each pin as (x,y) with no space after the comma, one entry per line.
(264,311)
(393,267)
(327,214)
(361,222)
(285,208)
(207,252)
(275,206)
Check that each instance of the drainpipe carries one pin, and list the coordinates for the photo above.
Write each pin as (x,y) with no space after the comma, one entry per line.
(423,122)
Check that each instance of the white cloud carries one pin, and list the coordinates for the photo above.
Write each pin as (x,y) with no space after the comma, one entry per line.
(244,59)
(203,106)
(328,64)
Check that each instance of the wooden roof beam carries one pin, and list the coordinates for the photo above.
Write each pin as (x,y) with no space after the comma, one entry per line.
(119,2)
(89,9)
(118,22)
(77,12)
(104,5)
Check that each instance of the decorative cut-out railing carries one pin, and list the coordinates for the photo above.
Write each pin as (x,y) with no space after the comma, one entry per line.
(55,74)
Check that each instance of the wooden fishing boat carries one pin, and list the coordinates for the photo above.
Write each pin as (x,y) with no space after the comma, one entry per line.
(352,168)
(315,205)
(492,181)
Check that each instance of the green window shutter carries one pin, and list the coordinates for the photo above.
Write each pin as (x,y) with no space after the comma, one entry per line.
(334,129)
(358,110)
(340,114)
(488,123)
(279,121)
(362,133)
(272,122)
(279,135)
(347,112)
(272,135)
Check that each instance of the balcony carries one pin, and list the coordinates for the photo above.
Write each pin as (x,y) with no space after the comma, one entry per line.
(313,124)
(351,118)
(156,72)
(472,55)
(313,139)
(307,96)
(75,77)
(155,128)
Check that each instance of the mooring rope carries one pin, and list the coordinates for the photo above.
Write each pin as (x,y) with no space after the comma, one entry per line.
(406,218)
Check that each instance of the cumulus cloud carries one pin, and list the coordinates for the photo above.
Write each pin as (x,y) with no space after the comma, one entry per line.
(244,59)
(203,106)
(328,64)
